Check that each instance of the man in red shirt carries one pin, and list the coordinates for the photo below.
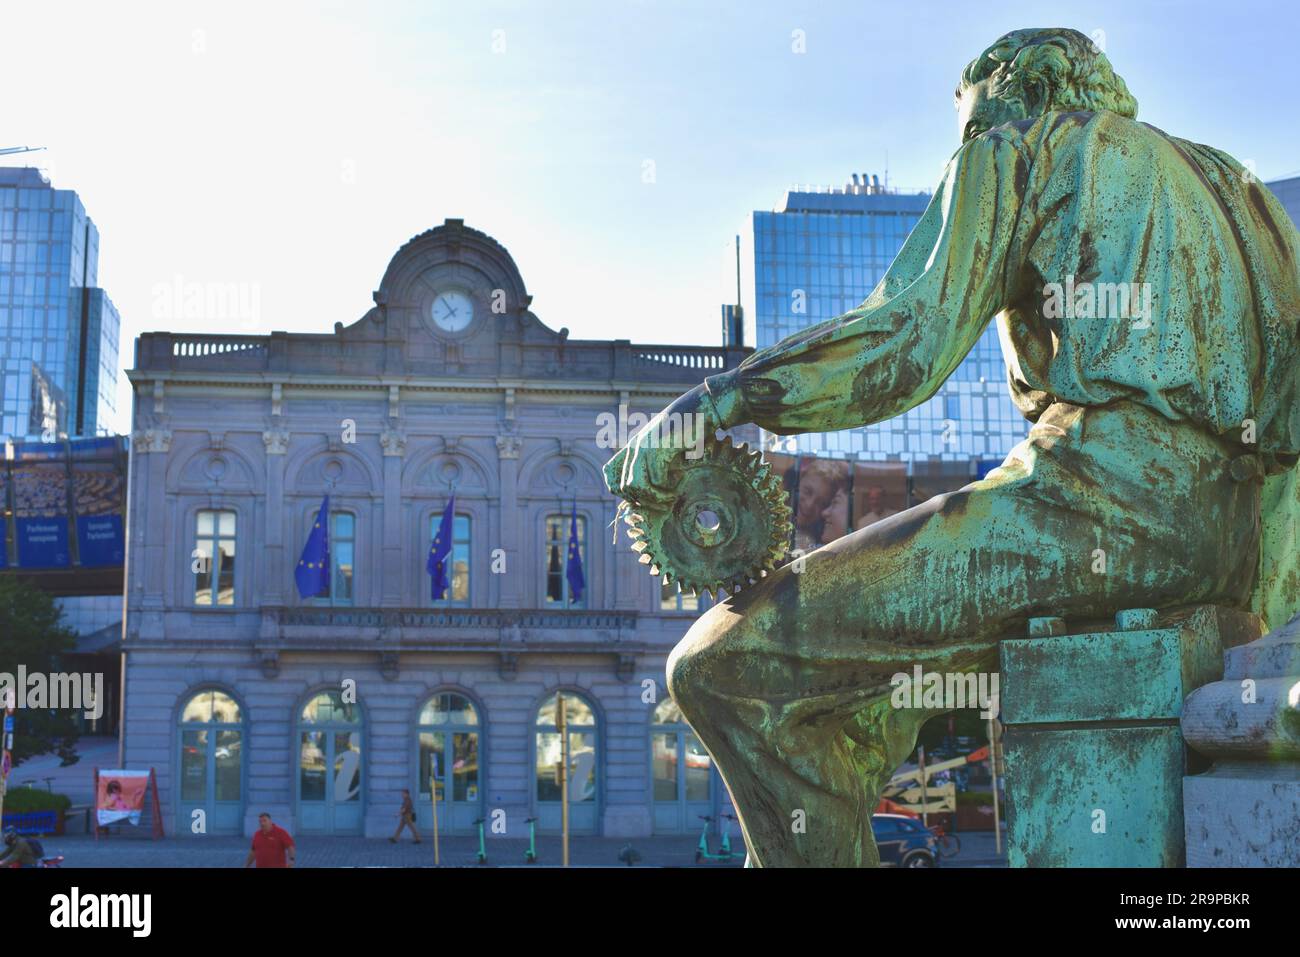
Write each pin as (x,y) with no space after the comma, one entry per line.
(271,845)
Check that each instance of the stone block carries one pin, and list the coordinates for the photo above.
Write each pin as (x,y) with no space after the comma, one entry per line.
(1094,754)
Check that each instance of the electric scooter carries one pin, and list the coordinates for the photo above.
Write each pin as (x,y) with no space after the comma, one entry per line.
(724,849)
(530,854)
(482,843)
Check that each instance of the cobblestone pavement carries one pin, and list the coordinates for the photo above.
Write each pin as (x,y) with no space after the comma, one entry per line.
(209,852)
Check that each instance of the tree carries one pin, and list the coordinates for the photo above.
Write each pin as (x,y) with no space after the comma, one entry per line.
(32,634)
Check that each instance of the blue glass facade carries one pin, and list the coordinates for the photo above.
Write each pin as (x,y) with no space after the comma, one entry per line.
(58,330)
(821,256)
(1288,191)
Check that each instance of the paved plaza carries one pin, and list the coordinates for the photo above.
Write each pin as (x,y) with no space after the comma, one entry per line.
(139,851)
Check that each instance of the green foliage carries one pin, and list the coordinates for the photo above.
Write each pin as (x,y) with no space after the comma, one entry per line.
(25,800)
(32,634)
(975,799)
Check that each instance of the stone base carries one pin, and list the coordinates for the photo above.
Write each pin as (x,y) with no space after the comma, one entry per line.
(1094,797)
(1094,755)
(1243,815)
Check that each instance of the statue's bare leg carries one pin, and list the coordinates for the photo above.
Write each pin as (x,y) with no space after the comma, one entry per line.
(787,684)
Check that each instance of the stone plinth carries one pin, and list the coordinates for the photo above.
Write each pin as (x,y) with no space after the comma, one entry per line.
(1245,811)
(1094,755)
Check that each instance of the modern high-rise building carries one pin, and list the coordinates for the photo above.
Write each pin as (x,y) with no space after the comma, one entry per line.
(818,257)
(58,330)
(1288,192)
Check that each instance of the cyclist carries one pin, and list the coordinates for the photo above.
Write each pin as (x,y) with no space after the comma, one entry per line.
(18,851)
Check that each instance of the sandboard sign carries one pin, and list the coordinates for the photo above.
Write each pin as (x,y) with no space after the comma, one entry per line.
(120,796)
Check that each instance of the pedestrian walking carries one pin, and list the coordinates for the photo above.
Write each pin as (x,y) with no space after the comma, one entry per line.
(272,845)
(406,818)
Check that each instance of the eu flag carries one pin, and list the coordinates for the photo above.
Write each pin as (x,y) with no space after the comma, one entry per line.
(313,571)
(440,551)
(573,571)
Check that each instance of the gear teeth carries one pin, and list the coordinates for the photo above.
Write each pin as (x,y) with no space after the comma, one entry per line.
(750,469)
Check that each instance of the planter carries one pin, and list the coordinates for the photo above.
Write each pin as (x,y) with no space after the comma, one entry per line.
(39,823)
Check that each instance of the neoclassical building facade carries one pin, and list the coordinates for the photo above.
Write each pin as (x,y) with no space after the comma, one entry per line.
(247,698)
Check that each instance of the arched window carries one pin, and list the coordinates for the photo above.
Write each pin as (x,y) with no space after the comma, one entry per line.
(448,733)
(211,763)
(583,732)
(329,764)
(681,770)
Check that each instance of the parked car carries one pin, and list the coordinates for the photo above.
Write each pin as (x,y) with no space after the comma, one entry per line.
(903,841)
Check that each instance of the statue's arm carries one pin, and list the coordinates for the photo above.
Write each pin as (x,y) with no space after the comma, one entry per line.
(896,349)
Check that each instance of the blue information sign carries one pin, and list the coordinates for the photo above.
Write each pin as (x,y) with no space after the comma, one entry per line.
(99,539)
(42,542)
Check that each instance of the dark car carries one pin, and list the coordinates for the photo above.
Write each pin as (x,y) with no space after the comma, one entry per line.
(903,841)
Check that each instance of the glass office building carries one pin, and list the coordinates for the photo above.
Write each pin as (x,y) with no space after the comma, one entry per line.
(1288,191)
(58,330)
(818,257)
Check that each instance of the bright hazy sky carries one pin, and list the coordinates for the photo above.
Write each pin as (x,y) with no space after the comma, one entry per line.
(293,147)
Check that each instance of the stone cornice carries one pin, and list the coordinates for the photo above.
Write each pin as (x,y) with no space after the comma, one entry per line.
(381,385)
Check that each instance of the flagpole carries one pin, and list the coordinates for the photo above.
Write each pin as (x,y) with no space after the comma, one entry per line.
(563,727)
(433,786)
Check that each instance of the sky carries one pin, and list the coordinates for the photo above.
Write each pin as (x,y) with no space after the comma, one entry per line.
(287,150)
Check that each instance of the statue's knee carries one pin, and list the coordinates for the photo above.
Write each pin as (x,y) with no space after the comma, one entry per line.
(692,666)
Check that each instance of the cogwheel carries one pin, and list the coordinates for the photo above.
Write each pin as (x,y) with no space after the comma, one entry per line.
(729,525)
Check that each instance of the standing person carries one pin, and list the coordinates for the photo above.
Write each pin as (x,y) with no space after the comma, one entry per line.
(272,845)
(406,818)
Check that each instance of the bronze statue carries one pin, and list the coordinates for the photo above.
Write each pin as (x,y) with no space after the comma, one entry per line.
(1147,298)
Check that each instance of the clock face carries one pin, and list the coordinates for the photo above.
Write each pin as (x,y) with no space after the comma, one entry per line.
(452,310)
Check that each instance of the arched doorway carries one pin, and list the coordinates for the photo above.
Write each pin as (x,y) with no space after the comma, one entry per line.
(330,770)
(211,764)
(681,772)
(584,778)
(449,748)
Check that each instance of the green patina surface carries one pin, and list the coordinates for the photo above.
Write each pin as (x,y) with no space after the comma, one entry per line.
(1118,675)
(1095,797)
(1094,755)
(1159,472)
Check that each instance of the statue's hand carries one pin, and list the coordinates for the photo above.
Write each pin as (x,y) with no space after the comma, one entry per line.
(639,472)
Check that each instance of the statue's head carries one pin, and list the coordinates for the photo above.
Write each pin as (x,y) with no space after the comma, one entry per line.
(1030,72)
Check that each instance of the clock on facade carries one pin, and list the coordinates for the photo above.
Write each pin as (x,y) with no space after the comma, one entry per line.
(452,310)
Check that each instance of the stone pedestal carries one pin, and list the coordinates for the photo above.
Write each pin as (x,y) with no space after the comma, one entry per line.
(1245,811)
(1094,754)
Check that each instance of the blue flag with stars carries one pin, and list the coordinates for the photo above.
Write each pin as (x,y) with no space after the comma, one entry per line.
(573,571)
(313,571)
(438,565)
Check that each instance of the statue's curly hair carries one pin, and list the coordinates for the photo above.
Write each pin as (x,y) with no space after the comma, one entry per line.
(1050,69)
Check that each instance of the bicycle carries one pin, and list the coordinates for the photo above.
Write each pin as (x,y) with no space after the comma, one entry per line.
(724,853)
(946,845)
